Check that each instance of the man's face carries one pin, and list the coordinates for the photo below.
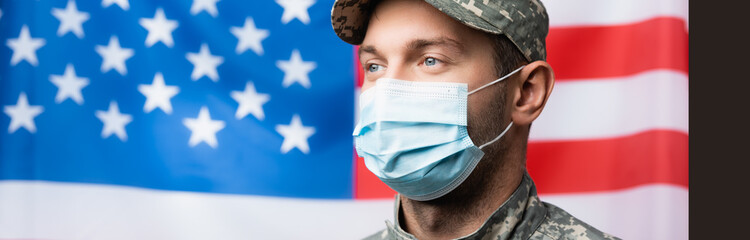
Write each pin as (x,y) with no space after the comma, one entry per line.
(413,41)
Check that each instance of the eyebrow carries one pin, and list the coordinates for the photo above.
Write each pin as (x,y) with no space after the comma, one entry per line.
(367,49)
(419,44)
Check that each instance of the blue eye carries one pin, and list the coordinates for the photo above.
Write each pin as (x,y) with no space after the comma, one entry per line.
(374,68)
(430,61)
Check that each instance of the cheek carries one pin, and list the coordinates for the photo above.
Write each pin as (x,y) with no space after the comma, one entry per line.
(480,76)
(475,119)
(366,85)
(485,115)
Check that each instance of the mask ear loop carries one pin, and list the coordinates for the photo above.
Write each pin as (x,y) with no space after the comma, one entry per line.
(498,80)
(498,136)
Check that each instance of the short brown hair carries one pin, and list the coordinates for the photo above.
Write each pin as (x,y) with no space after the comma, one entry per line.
(506,55)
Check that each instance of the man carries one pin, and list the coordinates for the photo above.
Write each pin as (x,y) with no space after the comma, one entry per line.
(449,83)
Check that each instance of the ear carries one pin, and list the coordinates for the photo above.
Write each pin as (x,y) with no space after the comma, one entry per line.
(530,93)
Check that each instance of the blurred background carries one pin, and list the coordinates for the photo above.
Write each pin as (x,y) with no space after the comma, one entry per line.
(208,119)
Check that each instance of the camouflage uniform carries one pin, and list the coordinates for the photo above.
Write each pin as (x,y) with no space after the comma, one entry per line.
(522,216)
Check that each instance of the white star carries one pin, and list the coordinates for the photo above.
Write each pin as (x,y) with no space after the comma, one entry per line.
(295,135)
(205,64)
(69,85)
(113,56)
(71,20)
(24,47)
(22,115)
(295,9)
(296,70)
(124,4)
(203,128)
(114,121)
(159,29)
(158,95)
(249,37)
(208,5)
(250,102)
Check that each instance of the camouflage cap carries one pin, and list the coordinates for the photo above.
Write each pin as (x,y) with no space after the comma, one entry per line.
(524,22)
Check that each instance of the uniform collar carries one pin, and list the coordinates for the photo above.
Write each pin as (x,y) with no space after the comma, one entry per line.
(518,216)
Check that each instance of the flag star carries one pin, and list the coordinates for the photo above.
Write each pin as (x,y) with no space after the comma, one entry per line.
(114,121)
(69,85)
(22,114)
(24,47)
(295,9)
(159,29)
(249,37)
(124,4)
(71,20)
(204,5)
(203,128)
(296,70)
(204,64)
(295,135)
(114,56)
(250,102)
(158,95)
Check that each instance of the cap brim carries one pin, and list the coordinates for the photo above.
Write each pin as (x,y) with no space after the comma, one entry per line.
(349,19)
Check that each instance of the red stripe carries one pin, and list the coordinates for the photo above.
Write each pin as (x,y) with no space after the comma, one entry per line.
(360,74)
(657,156)
(367,185)
(618,50)
(358,176)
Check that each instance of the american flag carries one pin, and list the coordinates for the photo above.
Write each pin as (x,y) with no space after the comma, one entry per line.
(209,119)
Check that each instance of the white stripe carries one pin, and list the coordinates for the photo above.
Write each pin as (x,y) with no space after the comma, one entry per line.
(47,210)
(647,212)
(572,13)
(602,108)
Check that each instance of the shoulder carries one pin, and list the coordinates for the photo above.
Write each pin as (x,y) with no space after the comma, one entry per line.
(559,224)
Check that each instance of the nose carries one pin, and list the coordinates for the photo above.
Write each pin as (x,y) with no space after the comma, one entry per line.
(399,70)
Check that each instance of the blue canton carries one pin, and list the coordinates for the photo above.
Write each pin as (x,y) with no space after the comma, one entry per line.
(237,97)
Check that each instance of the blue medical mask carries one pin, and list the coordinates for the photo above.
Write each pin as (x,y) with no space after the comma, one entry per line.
(413,136)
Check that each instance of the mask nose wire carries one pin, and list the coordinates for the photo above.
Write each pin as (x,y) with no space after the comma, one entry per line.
(498,80)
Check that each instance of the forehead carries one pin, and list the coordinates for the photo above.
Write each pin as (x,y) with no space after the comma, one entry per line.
(399,21)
